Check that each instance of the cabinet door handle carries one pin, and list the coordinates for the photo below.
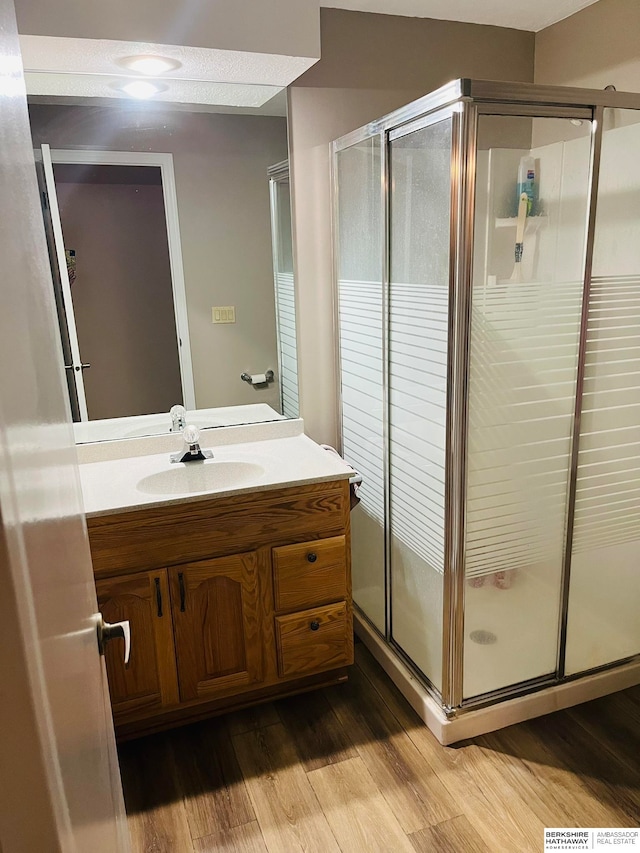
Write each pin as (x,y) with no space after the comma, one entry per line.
(314,625)
(182,591)
(158,596)
(312,556)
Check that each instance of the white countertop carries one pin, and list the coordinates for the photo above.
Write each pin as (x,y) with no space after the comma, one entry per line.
(160,424)
(280,453)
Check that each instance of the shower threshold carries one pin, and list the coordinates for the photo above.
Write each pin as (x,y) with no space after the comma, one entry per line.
(468,723)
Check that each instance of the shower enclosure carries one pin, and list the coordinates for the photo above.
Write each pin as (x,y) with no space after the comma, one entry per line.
(487,254)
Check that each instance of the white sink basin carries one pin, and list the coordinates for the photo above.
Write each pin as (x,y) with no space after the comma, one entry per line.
(208,476)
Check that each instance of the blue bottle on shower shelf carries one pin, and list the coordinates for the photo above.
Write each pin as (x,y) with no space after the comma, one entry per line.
(527,183)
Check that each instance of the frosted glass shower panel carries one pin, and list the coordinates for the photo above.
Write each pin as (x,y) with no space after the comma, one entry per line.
(420,173)
(604,592)
(359,238)
(523,352)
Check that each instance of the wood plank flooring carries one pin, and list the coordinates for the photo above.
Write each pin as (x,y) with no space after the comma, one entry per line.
(352,769)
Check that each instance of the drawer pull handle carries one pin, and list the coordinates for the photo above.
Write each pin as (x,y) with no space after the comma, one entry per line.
(312,557)
(314,625)
(182,591)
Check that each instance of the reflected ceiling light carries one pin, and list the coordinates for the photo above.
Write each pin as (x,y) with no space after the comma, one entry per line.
(143,89)
(149,65)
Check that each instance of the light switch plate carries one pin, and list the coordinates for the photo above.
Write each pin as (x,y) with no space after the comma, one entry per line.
(223,314)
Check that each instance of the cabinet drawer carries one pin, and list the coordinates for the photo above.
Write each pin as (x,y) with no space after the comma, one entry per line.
(310,573)
(314,640)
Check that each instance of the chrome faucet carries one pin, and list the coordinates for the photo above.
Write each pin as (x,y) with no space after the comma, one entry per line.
(178,418)
(191,450)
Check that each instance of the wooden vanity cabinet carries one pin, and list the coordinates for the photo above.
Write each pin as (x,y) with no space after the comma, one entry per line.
(231,601)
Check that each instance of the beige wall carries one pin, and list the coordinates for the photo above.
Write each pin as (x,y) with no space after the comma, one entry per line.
(244,25)
(370,65)
(592,48)
(220,164)
(122,297)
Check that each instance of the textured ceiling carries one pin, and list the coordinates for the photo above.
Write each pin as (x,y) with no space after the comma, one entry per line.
(533,15)
(89,68)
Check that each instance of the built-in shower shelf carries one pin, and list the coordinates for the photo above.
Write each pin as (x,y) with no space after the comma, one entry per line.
(511,221)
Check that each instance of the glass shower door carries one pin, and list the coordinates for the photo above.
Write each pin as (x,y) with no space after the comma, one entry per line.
(359,219)
(420,203)
(604,592)
(523,359)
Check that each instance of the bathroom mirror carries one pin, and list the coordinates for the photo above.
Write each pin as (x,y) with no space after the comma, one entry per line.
(169,232)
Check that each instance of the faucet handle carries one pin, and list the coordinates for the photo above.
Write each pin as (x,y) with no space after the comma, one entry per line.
(191,434)
(178,415)
(191,451)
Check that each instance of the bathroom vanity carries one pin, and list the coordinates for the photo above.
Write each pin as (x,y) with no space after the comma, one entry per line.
(234,595)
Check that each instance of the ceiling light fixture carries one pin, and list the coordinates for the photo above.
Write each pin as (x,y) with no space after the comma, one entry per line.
(150,66)
(143,89)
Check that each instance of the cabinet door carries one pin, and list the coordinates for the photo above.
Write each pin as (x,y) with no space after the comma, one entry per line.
(218,625)
(149,681)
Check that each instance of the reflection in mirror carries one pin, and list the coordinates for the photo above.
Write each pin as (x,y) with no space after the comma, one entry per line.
(284,287)
(166,233)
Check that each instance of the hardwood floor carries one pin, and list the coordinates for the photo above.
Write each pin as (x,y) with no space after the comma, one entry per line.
(353,769)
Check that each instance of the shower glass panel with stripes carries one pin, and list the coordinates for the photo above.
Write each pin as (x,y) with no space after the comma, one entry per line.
(604,591)
(487,259)
(284,287)
(523,360)
(359,269)
(418,307)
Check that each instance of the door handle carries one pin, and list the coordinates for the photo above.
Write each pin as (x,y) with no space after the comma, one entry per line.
(108,630)
(84,366)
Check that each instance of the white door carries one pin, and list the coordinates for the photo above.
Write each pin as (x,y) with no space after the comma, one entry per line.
(76,366)
(59,781)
